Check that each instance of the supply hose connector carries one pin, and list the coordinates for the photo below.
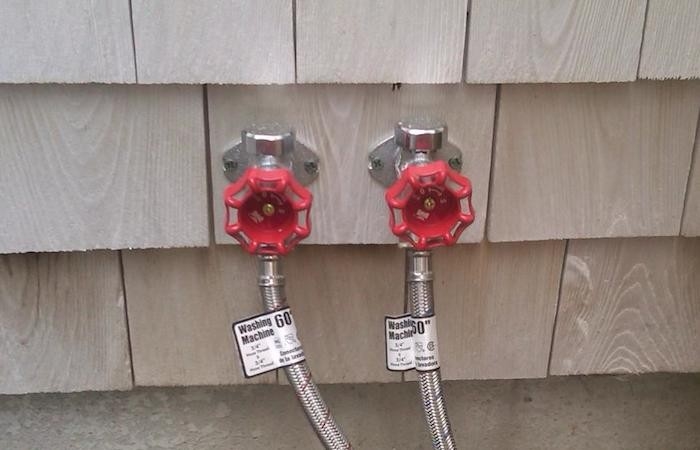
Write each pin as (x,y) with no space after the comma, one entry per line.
(267,208)
(267,211)
(430,206)
(430,202)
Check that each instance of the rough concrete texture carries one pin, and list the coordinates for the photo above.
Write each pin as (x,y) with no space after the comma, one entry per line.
(604,412)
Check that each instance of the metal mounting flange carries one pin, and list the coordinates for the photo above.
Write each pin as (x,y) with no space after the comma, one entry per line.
(260,143)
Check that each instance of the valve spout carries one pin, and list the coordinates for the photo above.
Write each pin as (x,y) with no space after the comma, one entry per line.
(420,265)
(270,271)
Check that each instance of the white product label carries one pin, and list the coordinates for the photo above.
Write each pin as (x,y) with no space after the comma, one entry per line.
(425,348)
(399,343)
(411,343)
(267,342)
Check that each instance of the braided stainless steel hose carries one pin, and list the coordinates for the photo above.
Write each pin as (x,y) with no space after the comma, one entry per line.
(419,285)
(271,282)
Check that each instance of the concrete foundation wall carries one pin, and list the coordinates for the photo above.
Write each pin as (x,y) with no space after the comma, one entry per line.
(596,412)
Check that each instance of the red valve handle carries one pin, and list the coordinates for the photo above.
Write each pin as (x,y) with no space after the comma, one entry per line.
(267,211)
(430,205)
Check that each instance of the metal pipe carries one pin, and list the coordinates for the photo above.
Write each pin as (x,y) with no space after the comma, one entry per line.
(271,283)
(419,284)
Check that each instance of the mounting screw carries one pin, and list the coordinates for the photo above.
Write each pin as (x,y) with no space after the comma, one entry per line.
(311,167)
(375,163)
(455,163)
(230,165)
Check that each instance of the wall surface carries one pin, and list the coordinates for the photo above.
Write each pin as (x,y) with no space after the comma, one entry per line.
(333,41)
(116,271)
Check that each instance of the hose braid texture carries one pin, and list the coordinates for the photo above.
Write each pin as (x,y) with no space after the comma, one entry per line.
(271,283)
(420,297)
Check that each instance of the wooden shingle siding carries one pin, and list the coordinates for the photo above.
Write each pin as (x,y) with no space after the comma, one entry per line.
(411,41)
(182,303)
(629,306)
(578,161)
(95,166)
(62,323)
(495,305)
(671,47)
(339,296)
(365,41)
(214,41)
(114,117)
(66,41)
(342,123)
(529,41)
(691,213)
